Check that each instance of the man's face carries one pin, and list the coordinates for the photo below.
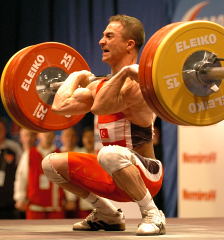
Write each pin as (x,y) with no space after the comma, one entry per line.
(113,44)
(46,139)
(27,137)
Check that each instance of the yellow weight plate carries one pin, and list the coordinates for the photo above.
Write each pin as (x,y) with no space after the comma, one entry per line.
(171,55)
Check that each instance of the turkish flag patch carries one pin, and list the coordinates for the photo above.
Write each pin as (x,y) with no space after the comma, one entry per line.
(104,133)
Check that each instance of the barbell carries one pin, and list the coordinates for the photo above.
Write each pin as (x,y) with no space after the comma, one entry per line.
(180,76)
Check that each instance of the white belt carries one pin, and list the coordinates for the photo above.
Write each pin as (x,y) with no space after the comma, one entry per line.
(38,208)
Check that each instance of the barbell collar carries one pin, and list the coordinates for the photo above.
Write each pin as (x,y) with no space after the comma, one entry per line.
(211,73)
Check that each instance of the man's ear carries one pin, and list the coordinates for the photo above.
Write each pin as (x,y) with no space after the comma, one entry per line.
(131,44)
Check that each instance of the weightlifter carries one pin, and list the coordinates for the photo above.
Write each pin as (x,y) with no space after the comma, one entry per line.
(125,169)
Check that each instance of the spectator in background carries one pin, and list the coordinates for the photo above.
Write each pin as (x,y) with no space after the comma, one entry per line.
(69,140)
(88,140)
(33,192)
(27,139)
(10,153)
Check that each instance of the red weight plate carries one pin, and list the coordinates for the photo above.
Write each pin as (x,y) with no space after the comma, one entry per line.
(145,73)
(37,60)
(7,96)
(152,96)
(10,78)
(148,93)
(148,73)
(20,116)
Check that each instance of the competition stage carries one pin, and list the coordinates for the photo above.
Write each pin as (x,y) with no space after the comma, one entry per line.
(176,228)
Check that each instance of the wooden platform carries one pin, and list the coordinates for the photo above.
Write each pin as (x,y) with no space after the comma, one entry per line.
(186,229)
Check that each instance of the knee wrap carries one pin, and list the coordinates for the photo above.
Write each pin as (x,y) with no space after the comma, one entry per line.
(114,158)
(50,171)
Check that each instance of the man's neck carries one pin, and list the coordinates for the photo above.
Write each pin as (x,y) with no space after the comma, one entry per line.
(118,66)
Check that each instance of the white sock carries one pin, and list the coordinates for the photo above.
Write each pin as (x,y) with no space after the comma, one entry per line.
(146,203)
(102,204)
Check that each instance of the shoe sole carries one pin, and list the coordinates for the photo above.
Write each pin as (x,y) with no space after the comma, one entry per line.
(161,232)
(115,227)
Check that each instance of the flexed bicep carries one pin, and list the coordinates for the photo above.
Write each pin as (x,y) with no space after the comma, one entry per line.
(80,102)
(71,98)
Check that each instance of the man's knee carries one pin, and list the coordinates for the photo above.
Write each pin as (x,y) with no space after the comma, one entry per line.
(114,158)
(50,170)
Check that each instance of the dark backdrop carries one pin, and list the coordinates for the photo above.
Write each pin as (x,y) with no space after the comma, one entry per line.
(78,23)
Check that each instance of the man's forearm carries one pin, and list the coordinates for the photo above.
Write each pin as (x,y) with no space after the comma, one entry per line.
(109,96)
(68,86)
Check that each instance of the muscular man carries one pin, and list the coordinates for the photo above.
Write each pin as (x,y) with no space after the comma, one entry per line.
(125,169)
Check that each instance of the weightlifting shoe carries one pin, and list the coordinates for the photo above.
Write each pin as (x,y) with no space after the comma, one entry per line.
(153,223)
(97,220)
